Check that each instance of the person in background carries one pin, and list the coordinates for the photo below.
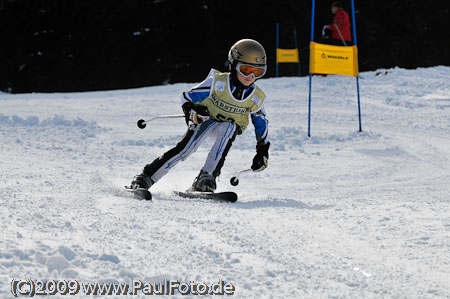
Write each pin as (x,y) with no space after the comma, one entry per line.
(340,28)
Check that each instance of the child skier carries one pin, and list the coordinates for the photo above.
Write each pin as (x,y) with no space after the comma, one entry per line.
(219,108)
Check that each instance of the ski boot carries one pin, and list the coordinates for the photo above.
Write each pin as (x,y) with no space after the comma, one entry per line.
(205,182)
(140,185)
(141,181)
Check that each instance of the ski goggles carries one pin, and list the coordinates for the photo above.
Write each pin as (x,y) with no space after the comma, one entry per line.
(247,70)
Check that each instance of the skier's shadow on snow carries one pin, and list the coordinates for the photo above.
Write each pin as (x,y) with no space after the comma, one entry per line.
(277,203)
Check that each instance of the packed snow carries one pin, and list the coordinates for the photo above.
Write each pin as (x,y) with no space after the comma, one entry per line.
(342,214)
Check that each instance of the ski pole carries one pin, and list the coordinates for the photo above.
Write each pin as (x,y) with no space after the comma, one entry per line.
(340,34)
(235,180)
(143,123)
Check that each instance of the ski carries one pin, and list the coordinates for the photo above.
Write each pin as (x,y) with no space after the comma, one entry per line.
(139,193)
(223,196)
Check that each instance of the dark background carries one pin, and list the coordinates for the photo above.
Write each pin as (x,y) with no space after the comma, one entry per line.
(79,45)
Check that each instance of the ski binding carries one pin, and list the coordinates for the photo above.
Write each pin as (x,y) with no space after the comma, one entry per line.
(139,193)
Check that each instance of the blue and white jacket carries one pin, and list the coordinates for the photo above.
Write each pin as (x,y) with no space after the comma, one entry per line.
(201,91)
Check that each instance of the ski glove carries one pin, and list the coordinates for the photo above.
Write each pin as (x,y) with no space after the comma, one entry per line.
(195,113)
(261,159)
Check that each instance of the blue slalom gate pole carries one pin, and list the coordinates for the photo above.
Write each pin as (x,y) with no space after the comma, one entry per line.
(354,23)
(310,74)
(359,104)
(312,19)
(296,46)
(309,106)
(276,59)
(357,78)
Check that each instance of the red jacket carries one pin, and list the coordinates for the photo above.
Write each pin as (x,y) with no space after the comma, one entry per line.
(342,20)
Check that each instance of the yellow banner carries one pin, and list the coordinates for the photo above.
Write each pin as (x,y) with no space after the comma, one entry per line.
(287,55)
(333,60)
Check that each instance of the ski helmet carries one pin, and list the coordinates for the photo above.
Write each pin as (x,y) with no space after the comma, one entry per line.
(247,51)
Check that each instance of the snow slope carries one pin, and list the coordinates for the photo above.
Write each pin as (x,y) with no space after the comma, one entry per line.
(342,214)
